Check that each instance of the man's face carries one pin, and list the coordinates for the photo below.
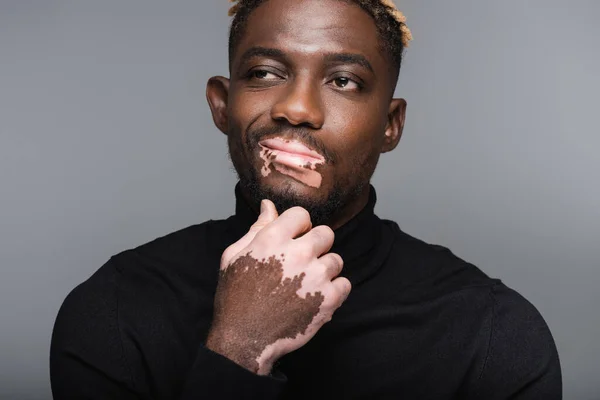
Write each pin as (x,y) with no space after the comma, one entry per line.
(308,105)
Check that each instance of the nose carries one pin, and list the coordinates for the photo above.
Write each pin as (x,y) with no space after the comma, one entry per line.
(300,104)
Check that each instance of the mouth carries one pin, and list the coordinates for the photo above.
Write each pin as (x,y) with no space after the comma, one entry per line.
(291,153)
(291,158)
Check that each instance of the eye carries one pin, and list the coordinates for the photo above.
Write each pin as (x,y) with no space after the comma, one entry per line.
(345,83)
(264,75)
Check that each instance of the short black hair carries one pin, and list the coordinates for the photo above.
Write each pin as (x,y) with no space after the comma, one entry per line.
(393,32)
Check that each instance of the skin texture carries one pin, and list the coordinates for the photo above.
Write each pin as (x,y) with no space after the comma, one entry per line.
(301,73)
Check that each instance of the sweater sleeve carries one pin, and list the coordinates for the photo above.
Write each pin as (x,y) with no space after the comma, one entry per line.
(223,379)
(522,361)
(86,353)
(87,357)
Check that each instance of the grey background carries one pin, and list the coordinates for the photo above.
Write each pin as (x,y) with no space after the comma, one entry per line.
(106,143)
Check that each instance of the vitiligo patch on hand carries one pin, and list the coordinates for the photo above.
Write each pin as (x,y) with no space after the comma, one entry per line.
(264,312)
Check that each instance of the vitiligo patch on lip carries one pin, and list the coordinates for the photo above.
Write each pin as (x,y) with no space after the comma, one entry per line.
(295,166)
(307,176)
(265,155)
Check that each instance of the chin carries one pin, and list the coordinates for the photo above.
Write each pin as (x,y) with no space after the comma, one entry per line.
(281,186)
(285,192)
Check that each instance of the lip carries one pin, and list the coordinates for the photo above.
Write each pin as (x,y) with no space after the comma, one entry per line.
(293,148)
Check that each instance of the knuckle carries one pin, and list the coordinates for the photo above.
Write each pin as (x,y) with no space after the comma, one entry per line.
(300,213)
(227,256)
(257,226)
(334,304)
(315,235)
(339,261)
(347,286)
(300,253)
(331,270)
(332,300)
(323,318)
(267,235)
(343,287)
(324,232)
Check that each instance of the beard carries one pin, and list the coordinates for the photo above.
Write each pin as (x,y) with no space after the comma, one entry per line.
(324,206)
(322,210)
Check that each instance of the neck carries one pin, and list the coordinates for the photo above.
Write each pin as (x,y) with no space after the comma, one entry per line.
(348,212)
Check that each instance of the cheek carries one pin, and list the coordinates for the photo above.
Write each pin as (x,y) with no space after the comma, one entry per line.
(245,108)
(358,134)
(240,116)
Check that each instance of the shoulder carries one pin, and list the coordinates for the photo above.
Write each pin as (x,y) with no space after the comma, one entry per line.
(141,269)
(518,355)
(520,335)
(137,284)
(518,328)
(183,255)
(86,331)
(439,270)
(173,265)
(521,360)
(430,270)
(179,247)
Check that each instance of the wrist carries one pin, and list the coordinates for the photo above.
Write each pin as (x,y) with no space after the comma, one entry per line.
(242,351)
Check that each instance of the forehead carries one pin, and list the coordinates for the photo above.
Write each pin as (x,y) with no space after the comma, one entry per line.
(312,28)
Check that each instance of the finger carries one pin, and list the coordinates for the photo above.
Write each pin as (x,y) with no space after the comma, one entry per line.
(291,224)
(318,240)
(343,288)
(333,264)
(268,214)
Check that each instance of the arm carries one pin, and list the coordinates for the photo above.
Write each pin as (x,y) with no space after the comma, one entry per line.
(87,359)
(275,292)
(522,361)
(215,376)
(86,355)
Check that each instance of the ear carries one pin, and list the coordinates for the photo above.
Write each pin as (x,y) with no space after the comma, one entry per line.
(395,124)
(217,92)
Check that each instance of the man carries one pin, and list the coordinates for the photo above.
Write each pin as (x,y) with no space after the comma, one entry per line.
(315,297)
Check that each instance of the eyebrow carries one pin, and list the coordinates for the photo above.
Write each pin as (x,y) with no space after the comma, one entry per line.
(349,58)
(341,58)
(258,51)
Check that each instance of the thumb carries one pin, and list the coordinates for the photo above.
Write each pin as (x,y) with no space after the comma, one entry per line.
(268,214)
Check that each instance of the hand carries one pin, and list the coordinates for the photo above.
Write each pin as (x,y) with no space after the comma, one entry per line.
(276,289)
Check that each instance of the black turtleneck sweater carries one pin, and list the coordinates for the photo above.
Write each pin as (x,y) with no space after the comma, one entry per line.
(420,323)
